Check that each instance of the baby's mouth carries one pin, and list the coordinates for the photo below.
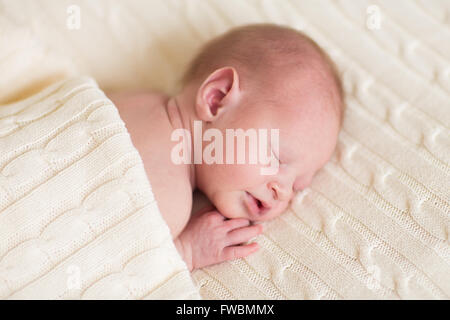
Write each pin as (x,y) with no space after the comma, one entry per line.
(255,206)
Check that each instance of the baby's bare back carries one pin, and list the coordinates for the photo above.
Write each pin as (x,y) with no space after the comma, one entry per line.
(147,122)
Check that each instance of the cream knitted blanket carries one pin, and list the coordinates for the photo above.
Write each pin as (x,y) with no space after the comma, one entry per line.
(375,222)
(77,215)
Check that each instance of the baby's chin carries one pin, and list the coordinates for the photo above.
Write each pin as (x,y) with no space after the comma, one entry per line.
(231,204)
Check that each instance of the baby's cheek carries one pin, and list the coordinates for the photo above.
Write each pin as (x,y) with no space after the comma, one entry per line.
(276,211)
(245,175)
(229,177)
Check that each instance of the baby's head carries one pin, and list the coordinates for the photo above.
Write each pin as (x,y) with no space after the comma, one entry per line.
(265,77)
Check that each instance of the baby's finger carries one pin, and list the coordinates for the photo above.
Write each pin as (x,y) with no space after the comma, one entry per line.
(213,216)
(236,223)
(241,235)
(235,252)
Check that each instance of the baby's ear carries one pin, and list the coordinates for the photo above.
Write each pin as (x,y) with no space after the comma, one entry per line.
(218,93)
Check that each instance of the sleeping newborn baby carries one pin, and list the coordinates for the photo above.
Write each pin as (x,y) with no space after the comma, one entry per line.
(252,77)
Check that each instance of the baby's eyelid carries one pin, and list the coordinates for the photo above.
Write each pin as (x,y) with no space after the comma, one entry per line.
(278,158)
(275,155)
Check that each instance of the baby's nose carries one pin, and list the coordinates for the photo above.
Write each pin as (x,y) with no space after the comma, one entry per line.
(279,192)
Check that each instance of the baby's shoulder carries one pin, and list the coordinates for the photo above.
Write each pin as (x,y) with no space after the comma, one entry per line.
(136,97)
(147,122)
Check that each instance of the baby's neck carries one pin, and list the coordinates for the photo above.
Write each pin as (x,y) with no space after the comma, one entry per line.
(180,118)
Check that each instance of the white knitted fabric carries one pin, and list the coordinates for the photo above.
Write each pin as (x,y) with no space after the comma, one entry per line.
(375,222)
(78,218)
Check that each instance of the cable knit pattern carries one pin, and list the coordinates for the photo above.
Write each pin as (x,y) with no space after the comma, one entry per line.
(76,205)
(374,223)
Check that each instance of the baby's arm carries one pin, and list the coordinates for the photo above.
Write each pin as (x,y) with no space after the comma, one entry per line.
(210,238)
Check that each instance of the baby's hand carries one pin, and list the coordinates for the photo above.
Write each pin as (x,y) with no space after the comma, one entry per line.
(209,239)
